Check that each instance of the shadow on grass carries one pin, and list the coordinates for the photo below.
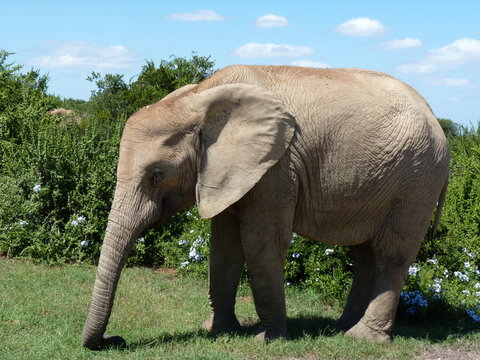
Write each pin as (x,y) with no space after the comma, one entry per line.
(433,331)
(313,327)
(298,328)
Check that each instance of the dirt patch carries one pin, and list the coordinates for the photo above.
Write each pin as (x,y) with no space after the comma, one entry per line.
(245,299)
(169,273)
(451,353)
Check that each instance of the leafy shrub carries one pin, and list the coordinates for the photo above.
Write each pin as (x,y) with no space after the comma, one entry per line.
(57,181)
(448,266)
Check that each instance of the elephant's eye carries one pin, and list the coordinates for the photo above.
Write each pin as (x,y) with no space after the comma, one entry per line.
(157,176)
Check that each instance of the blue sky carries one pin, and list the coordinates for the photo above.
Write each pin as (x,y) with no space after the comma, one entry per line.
(432,45)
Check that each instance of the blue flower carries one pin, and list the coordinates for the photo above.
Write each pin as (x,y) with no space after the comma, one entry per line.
(415,298)
(411,311)
(473,314)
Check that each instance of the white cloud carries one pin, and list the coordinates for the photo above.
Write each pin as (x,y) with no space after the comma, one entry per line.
(416,68)
(256,50)
(460,52)
(457,82)
(199,15)
(361,26)
(309,63)
(400,44)
(271,20)
(83,54)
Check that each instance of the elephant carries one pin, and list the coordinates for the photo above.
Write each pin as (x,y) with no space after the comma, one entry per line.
(341,156)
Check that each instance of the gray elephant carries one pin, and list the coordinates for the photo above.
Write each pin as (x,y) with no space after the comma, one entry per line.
(342,156)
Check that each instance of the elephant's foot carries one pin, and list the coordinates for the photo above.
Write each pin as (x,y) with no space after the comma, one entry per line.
(364,332)
(263,334)
(107,341)
(216,324)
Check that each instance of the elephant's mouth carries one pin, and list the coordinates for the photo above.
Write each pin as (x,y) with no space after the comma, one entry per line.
(169,206)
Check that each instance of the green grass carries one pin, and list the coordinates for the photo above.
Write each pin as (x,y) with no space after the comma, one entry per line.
(42,310)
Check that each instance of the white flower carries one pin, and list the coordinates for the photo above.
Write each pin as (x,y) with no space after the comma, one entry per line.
(413,270)
(437,285)
(37,188)
(469,254)
(79,220)
(192,231)
(198,241)
(329,251)
(23,223)
(477,285)
(182,242)
(184,264)
(84,243)
(195,255)
(142,239)
(188,214)
(432,261)
(296,255)
(466,292)
(461,276)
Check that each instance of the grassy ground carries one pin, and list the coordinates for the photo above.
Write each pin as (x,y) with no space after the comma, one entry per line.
(42,310)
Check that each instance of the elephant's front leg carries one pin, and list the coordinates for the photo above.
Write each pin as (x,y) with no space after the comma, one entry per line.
(265,238)
(225,267)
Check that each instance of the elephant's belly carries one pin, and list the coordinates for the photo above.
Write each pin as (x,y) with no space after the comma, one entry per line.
(341,226)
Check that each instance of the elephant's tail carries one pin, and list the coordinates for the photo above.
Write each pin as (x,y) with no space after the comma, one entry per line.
(438,212)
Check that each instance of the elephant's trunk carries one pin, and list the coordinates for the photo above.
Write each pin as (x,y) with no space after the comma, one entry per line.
(120,235)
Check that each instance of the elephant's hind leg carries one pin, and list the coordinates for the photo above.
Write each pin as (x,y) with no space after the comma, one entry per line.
(394,249)
(363,279)
(225,267)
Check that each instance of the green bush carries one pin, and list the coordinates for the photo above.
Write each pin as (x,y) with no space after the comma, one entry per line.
(57,179)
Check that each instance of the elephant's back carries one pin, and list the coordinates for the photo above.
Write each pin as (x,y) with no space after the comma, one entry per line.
(365,142)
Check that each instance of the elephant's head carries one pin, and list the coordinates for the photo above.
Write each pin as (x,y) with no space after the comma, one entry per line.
(212,146)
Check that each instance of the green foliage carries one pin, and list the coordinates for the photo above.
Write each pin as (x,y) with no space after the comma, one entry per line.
(449,127)
(115,98)
(57,181)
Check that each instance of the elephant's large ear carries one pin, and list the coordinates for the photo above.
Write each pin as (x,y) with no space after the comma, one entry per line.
(246,130)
